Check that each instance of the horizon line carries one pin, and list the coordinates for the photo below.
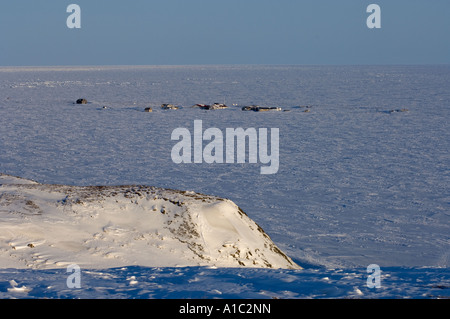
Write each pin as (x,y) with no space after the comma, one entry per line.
(81,66)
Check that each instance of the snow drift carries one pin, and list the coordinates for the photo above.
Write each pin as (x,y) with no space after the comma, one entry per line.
(50,226)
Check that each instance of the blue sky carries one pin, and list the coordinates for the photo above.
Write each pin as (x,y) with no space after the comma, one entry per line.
(178,32)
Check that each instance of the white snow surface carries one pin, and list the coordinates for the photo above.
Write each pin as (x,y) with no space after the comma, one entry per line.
(360,182)
(53,226)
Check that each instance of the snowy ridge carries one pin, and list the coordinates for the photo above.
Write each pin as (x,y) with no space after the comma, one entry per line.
(51,226)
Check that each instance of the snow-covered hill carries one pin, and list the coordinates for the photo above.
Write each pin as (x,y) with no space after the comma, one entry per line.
(52,226)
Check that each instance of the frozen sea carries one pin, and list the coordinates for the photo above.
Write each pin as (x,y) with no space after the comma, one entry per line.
(360,182)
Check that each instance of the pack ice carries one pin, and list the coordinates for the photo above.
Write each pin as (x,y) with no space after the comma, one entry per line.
(50,226)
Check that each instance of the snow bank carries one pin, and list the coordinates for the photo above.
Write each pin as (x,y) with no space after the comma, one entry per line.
(50,226)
